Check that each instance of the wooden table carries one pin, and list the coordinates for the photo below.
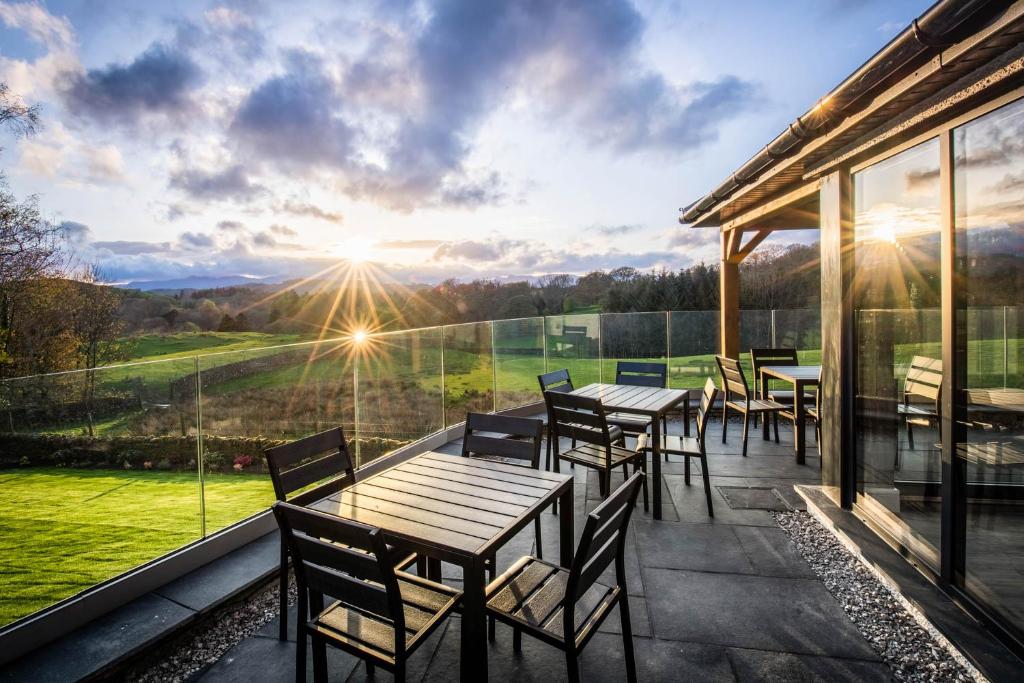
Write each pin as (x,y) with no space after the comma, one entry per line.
(801,377)
(458,510)
(652,402)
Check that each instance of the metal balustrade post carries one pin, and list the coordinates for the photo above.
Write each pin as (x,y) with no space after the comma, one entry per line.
(444,411)
(355,408)
(668,348)
(494,372)
(1006,347)
(200,463)
(600,349)
(772,334)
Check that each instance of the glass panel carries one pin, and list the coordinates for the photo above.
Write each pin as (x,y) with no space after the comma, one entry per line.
(755,333)
(989,192)
(519,358)
(99,476)
(896,302)
(632,337)
(468,371)
(693,343)
(399,391)
(256,398)
(800,329)
(574,343)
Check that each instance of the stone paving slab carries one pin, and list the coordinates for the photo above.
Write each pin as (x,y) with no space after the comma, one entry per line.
(758,612)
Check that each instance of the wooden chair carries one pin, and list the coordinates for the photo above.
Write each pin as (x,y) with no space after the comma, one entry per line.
(294,466)
(761,357)
(380,615)
(509,438)
(565,608)
(638,374)
(690,447)
(814,412)
(735,383)
(560,382)
(582,418)
(923,381)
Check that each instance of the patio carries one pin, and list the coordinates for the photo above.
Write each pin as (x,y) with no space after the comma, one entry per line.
(735,600)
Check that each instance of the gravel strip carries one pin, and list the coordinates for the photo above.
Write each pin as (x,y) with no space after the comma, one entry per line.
(182,660)
(911,651)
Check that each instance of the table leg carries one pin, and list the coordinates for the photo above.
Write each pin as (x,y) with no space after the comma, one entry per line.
(566,533)
(655,480)
(474,624)
(799,434)
(764,416)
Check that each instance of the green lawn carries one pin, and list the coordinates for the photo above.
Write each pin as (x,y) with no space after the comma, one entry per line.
(62,531)
(162,346)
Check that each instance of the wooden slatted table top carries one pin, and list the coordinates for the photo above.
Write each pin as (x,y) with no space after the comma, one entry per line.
(626,398)
(794,373)
(453,506)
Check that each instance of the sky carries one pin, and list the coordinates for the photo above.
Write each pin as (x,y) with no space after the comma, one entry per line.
(434,139)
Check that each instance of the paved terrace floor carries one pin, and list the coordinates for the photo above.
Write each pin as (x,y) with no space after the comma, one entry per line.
(720,599)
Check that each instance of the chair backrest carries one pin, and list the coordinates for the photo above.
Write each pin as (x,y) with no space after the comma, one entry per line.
(578,417)
(298,464)
(345,560)
(516,438)
(924,379)
(733,380)
(762,357)
(641,374)
(707,401)
(603,541)
(556,380)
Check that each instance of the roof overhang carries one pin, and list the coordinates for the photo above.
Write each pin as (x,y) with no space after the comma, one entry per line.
(980,66)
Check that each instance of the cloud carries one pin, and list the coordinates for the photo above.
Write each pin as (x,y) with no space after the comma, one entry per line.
(230,226)
(293,120)
(75,232)
(297,208)
(196,240)
(1008,183)
(613,230)
(41,26)
(129,247)
(160,81)
(395,123)
(922,179)
(104,164)
(231,183)
(282,230)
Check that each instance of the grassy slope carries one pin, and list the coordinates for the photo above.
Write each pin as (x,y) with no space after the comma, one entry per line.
(63,531)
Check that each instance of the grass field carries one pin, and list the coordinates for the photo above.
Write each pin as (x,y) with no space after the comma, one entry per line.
(62,531)
(163,346)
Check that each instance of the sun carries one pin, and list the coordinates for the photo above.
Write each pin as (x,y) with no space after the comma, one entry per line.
(356,250)
(884,232)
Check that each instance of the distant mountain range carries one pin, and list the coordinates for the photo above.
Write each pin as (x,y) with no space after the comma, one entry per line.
(200,282)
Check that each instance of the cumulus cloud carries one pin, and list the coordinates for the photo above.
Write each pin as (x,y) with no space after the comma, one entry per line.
(282,230)
(230,226)
(160,81)
(196,240)
(615,230)
(231,183)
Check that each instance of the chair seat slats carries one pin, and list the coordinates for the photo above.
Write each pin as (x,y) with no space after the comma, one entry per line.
(344,622)
(595,456)
(590,607)
(531,574)
(542,602)
(756,405)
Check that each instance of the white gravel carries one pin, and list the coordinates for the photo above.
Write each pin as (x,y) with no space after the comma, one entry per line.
(912,652)
(202,646)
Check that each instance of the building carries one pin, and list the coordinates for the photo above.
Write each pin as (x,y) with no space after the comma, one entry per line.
(913,170)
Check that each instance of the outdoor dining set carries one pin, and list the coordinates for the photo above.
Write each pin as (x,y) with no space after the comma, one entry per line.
(352,540)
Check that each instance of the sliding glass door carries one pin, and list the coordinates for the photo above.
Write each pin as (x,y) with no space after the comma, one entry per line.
(897,333)
(989,221)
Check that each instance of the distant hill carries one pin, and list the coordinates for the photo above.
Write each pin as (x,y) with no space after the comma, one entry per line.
(200,282)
